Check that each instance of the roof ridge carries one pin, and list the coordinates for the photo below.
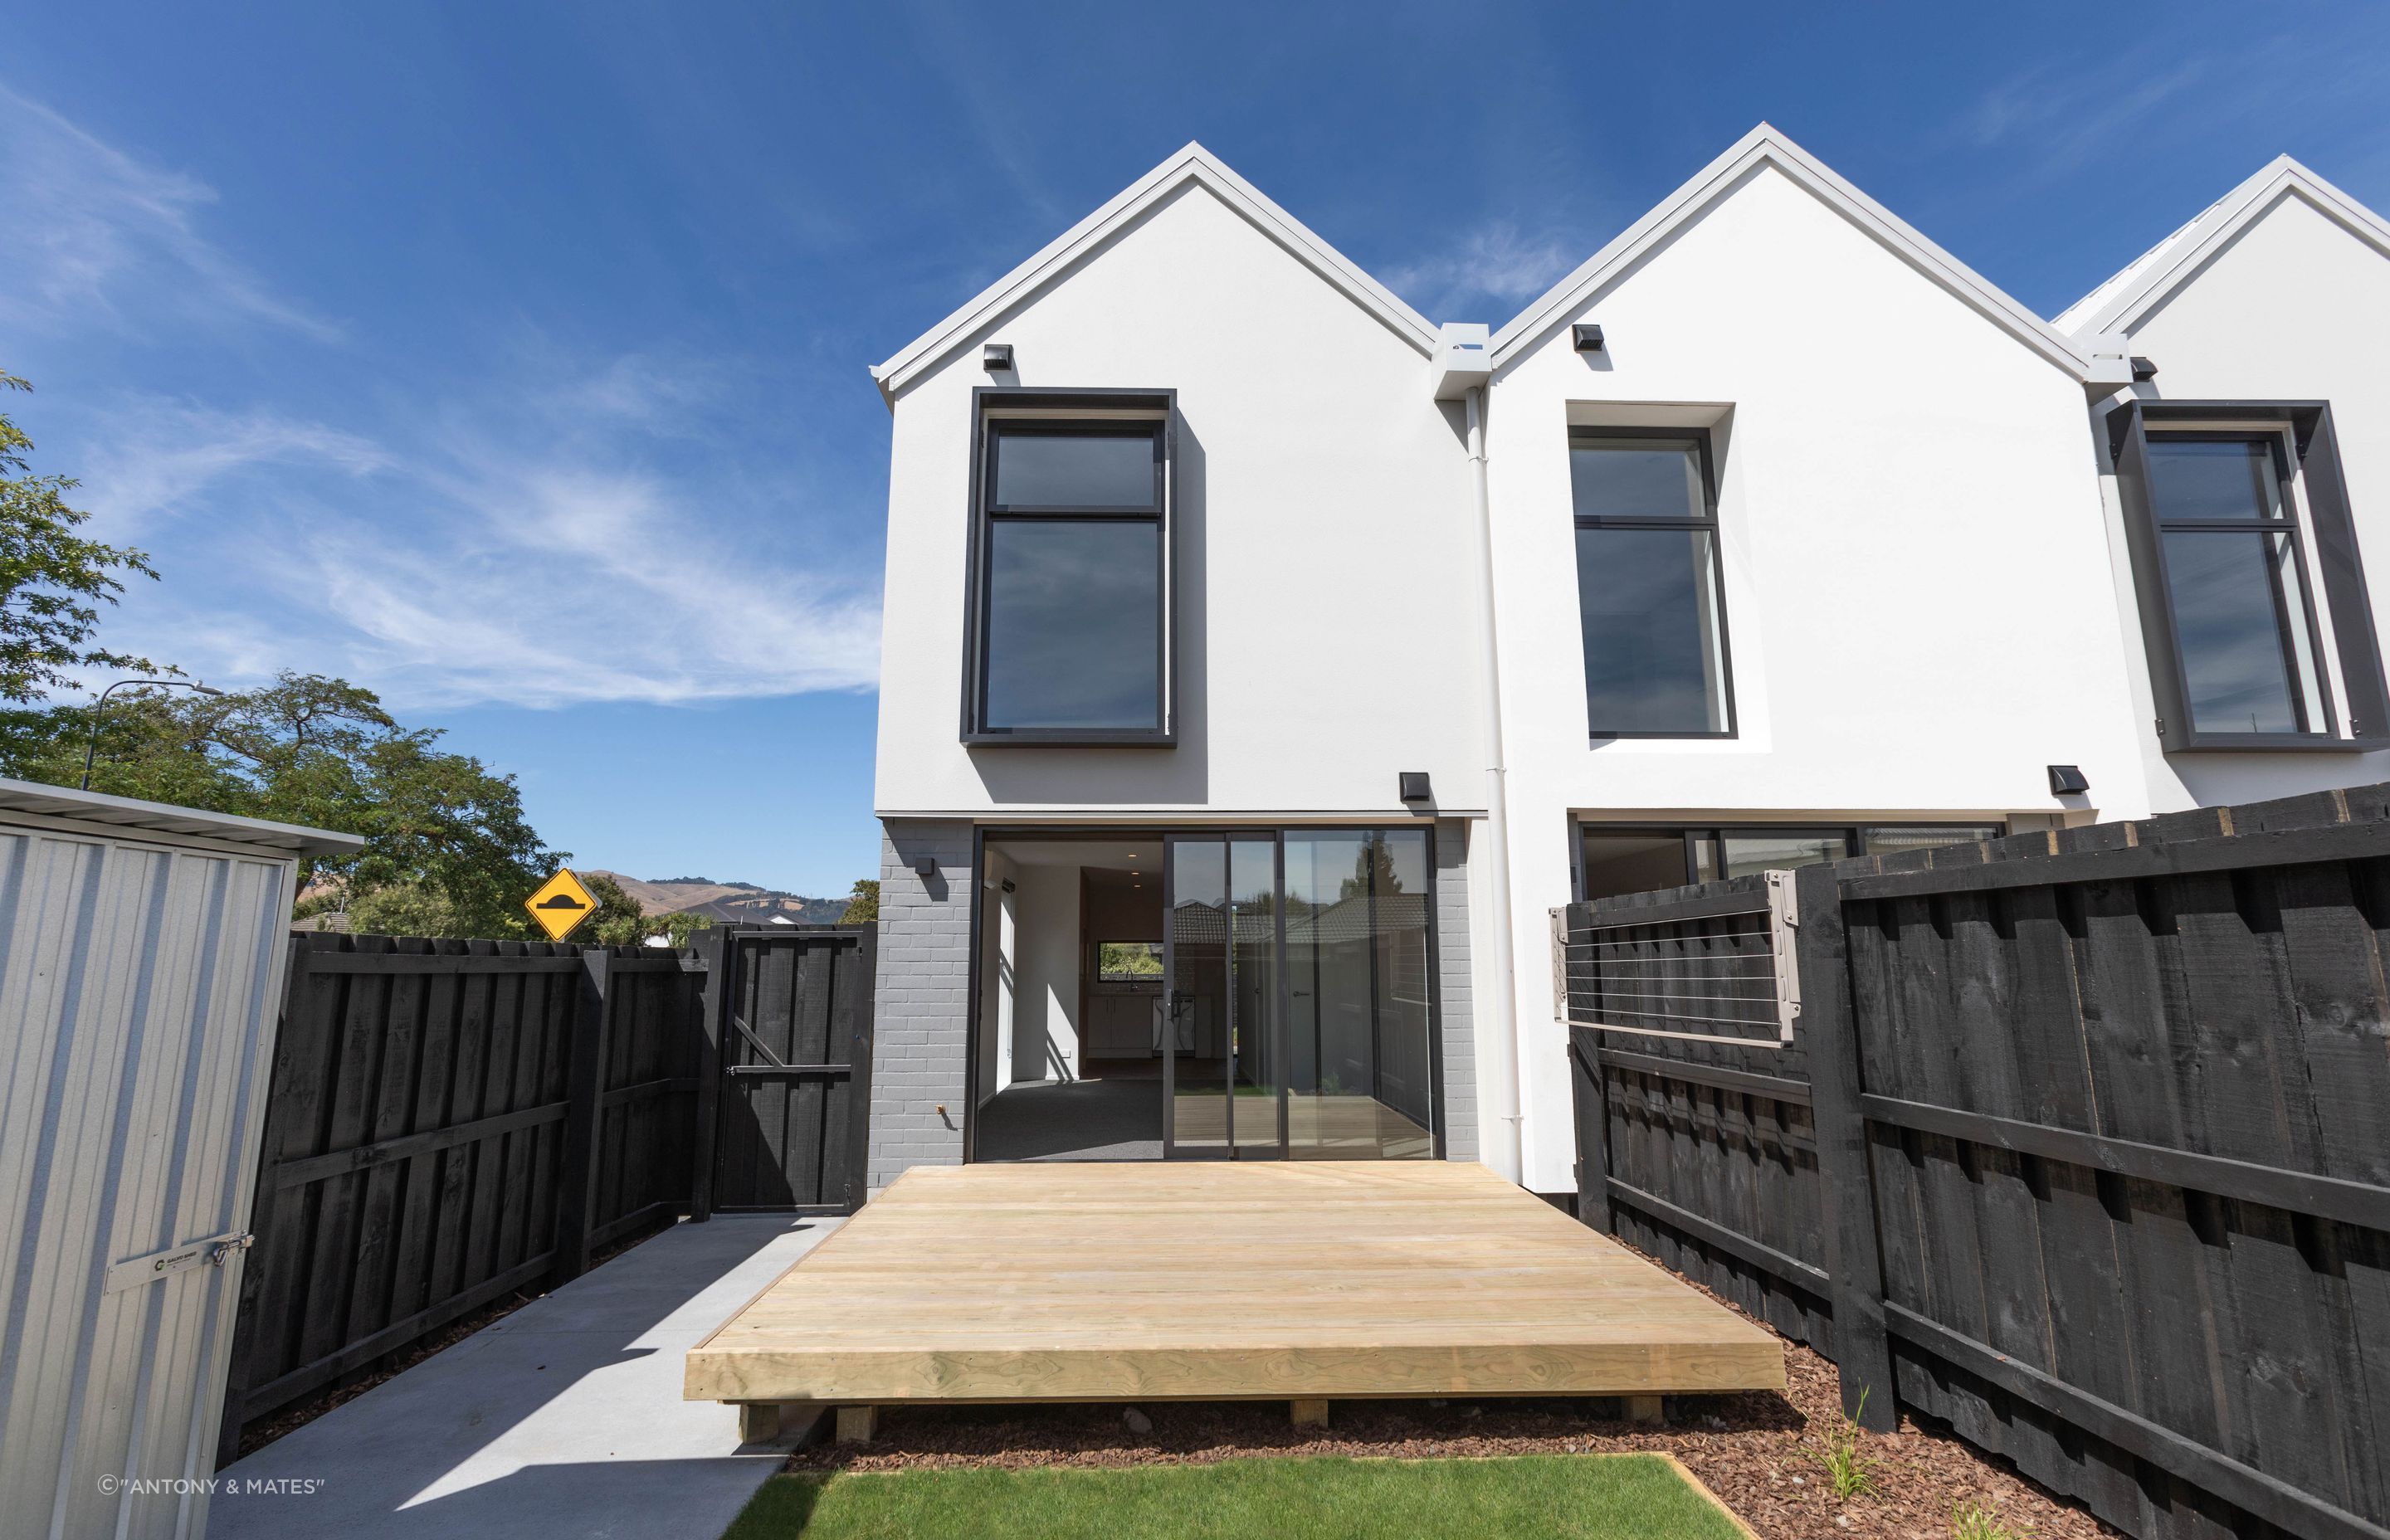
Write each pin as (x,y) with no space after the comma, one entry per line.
(1766,145)
(2126,298)
(1191,162)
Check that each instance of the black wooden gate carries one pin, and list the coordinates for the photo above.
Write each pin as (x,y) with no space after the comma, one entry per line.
(784,1108)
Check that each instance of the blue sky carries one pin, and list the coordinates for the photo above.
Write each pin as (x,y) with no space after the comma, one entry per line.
(509,358)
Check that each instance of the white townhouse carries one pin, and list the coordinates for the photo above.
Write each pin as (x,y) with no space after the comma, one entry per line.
(1264,661)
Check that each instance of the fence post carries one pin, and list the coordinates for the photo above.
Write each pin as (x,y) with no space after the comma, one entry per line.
(858,1052)
(1592,1099)
(1862,1349)
(713,1007)
(576,1188)
(1588,1096)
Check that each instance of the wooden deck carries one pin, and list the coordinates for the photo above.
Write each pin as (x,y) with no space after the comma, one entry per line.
(1250,1280)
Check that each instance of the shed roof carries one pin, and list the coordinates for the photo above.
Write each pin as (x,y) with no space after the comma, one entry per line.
(133,815)
(2151,278)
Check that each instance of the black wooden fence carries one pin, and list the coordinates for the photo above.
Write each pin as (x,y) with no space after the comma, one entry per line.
(2082,1146)
(452,1122)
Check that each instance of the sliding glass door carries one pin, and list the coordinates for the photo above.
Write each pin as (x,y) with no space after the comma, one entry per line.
(1298,980)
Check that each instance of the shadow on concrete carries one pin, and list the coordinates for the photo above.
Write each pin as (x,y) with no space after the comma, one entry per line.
(564,1419)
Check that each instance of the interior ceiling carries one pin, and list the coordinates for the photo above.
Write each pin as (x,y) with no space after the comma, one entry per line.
(1119,854)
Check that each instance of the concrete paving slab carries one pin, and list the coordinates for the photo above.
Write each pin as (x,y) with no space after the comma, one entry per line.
(564,1420)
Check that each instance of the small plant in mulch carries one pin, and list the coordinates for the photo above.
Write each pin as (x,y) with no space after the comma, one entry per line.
(1980,1518)
(1848,1472)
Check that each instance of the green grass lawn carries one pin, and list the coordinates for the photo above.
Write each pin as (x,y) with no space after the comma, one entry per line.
(1615,1496)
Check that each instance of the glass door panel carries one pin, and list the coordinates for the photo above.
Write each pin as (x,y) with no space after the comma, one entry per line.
(1359,1083)
(1196,1062)
(1255,1117)
(1299,1018)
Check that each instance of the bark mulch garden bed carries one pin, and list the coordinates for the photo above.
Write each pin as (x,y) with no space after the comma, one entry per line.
(1760,1454)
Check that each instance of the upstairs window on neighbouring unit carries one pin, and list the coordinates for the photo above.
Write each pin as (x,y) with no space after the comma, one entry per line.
(1071,580)
(2236,575)
(1649,599)
(2246,560)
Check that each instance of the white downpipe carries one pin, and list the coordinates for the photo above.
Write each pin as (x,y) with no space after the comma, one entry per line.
(1505,1144)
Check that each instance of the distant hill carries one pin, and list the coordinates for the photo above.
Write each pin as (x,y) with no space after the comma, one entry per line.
(727,902)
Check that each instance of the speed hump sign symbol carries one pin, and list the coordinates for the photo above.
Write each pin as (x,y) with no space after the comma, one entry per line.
(560,904)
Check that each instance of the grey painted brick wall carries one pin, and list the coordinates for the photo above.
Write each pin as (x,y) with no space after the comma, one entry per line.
(1452,954)
(921,1035)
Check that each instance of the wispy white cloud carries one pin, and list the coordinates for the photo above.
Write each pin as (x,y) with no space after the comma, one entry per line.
(1496,265)
(160,458)
(538,562)
(2063,118)
(90,234)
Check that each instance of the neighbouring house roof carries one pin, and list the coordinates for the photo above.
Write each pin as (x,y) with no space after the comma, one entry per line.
(1764,145)
(1193,165)
(2124,301)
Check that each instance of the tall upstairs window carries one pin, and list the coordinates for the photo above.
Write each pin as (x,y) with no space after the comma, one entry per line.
(1070,626)
(2246,560)
(1649,603)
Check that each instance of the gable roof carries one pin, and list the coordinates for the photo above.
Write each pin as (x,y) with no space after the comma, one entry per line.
(2151,279)
(1193,164)
(1764,145)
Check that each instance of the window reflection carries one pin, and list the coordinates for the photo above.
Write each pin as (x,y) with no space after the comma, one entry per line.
(1652,624)
(1073,625)
(2235,584)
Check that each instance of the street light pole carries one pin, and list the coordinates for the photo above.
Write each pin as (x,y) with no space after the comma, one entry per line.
(91,750)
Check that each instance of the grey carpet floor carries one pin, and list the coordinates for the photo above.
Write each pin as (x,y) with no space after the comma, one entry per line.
(1079,1120)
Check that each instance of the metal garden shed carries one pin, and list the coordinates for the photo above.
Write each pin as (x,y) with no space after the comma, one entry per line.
(142,949)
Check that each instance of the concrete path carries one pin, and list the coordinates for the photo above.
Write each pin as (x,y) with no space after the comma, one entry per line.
(560,1422)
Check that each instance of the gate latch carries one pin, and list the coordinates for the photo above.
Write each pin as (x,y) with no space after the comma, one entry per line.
(214,1252)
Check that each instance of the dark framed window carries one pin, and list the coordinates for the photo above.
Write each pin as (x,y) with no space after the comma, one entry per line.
(2227,568)
(1635,858)
(1650,605)
(1070,620)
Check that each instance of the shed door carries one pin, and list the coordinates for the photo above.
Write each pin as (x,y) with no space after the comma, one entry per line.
(138,988)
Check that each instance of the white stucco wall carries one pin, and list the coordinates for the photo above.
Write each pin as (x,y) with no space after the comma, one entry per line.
(1323,526)
(1919,597)
(2295,308)
(1045,1012)
(999,971)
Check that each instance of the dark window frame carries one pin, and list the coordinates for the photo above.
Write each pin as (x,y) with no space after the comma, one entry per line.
(1697,837)
(975,917)
(1160,409)
(1708,519)
(2336,568)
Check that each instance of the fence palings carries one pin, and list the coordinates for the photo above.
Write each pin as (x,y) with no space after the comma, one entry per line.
(2120,1102)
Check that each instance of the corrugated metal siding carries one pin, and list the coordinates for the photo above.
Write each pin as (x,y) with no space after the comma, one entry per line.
(138,987)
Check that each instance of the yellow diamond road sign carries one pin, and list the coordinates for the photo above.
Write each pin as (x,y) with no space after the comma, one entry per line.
(560,904)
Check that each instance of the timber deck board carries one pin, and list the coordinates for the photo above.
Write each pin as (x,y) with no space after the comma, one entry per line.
(1154,1281)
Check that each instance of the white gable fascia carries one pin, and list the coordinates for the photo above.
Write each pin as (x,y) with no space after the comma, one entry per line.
(1195,164)
(2127,300)
(1764,147)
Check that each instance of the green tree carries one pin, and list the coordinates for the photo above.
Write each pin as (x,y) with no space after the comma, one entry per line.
(445,836)
(402,909)
(863,908)
(619,921)
(681,928)
(52,579)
